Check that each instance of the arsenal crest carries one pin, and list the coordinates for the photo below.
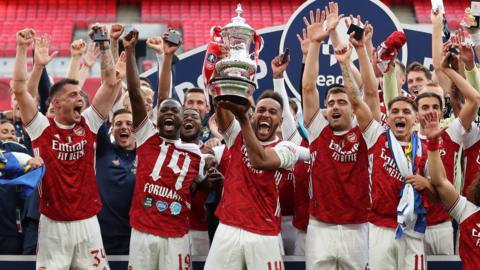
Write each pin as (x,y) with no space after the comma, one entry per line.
(351,137)
(79,131)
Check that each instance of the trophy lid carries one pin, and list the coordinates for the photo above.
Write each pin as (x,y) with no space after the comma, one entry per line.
(238,21)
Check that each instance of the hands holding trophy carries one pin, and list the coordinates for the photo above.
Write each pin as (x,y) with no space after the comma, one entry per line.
(235,74)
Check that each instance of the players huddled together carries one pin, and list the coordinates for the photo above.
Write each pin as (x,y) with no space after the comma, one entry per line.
(375,178)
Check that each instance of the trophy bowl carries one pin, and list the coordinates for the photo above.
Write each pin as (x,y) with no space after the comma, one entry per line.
(235,74)
(234,89)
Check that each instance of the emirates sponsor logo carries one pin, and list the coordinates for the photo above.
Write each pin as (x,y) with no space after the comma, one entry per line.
(67,151)
(341,155)
(389,166)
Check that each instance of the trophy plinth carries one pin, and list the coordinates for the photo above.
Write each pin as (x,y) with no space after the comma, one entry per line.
(234,89)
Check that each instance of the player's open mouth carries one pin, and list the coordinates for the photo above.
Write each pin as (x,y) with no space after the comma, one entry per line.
(124,135)
(168,124)
(400,124)
(188,126)
(336,115)
(77,110)
(264,127)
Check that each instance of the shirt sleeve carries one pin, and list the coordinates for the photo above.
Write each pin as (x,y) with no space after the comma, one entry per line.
(462,209)
(372,132)
(144,131)
(36,127)
(231,133)
(316,126)
(289,153)
(460,135)
(93,119)
(289,127)
(473,77)
(218,152)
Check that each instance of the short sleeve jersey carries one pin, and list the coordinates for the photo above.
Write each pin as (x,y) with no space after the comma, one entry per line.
(165,170)
(68,190)
(468,216)
(250,199)
(339,176)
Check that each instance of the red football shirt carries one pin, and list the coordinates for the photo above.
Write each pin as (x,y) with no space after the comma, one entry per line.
(471,154)
(385,178)
(339,176)
(250,198)
(68,190)
(198,214)
(161,200)
(301,197)
(468,216)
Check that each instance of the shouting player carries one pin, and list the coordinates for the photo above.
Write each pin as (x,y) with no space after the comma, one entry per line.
(166,168)
(337,234)
(249,210)
(69,234)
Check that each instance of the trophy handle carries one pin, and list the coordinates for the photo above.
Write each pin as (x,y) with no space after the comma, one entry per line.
(258,46)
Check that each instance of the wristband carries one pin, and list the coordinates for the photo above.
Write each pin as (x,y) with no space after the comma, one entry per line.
(433,145)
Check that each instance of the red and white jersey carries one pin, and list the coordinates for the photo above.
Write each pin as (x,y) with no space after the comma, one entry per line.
(339,174)
(68,190)
(250,198)
(301,212)
(166,168)
(198,214)
(449,150)
(467,215)
(471,156)
(286,189)
(385,178)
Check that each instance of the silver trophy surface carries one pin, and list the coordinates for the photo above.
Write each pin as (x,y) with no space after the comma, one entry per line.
(235,80)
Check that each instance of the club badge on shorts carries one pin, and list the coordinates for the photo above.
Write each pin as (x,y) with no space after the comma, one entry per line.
(147,202)
(175,208)
(162,206)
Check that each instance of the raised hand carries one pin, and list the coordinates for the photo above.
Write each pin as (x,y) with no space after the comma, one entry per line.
(25,37)
(304,42)
(130,40)
(359,43)
(121,66)
(332,17)
(240,111)
(78,47)
(156,44)
(368,32)
(97,27)
(42,46)
(343,53)
(169,48)
(315,29)
(431,125)
(277,67)
(116,31)
(90,58)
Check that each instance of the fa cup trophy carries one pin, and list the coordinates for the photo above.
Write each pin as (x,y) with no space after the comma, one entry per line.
(235,74)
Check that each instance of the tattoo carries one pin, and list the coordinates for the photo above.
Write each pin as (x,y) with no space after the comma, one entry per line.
(350,83)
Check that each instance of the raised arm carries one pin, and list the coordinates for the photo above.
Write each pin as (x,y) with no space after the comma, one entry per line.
(289,125)
(106,94)
(26,103)
(115,32)
(139,112)
(165,80)
(438,177)
(316,33)
(41,58)
(89,60)
(156,44)
(76,51)
(367,74)
(363,113)
(472,97)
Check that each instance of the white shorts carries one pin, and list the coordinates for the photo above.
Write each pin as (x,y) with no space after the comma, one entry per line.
(152,252)
(300,244)
(237,249)
(439,239)
(199,242)
(289,235)
(70,245)
(331,246)
(386,253)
